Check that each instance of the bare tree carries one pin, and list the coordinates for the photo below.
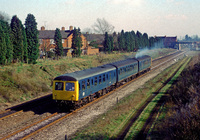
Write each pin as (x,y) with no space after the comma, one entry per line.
(4,16)
(86,30)
(101,26)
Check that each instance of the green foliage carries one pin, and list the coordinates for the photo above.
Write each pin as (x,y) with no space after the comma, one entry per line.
(108,43)
(25,45)
(121,41)
(76,43)
(2,46)
(9,47)
(146,40)
(17,38)
(58,43)
(94,44)
(32,38)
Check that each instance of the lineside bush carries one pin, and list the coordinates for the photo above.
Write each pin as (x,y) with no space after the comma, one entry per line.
(183,117)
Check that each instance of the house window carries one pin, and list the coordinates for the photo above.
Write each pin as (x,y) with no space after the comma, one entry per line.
(52,41)
(40,41)
(63,41)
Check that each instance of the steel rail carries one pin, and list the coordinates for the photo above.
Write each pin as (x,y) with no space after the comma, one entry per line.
(20,130)
(12,114)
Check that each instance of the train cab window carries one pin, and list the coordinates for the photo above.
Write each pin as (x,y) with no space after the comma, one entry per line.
(69,86)
(83,85)
(59,86)
(110,75)
(100,79)
(104,78)
(114,74)
(95,81)
(88,83)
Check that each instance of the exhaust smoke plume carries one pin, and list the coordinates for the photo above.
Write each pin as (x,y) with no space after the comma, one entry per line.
(146,50)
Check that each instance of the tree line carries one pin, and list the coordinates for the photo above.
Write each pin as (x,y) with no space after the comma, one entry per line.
(128,41)
(18,43)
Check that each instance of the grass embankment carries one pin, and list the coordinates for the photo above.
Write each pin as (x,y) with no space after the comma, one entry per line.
(108,125)
(180,116)
(20,82)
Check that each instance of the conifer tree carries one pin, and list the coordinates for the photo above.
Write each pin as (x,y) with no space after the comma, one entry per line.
(132,40)
(58,43)
(107,44)
(111,43)
(25,45)
(127,41)
(32,38)
(17,38)
(146,40)
(76,43)
(121,41)
(2,46)
(9,47)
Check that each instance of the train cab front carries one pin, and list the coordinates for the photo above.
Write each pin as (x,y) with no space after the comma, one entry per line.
(66,91)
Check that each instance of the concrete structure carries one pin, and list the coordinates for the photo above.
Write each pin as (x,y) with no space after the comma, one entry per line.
(168,42)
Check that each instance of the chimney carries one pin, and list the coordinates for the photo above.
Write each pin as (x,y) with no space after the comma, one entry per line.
(70,28)
(42,28)
(63,28)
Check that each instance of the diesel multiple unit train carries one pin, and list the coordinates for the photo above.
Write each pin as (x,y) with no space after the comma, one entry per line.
(78,88)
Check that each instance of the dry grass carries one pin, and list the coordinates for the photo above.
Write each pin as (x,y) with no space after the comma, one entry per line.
(182,119)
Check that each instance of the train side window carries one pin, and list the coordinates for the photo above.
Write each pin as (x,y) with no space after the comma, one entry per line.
(92,82)
(110,75)
(107,76)
(100,79)
(95,81)
(114,74)
(104,78)
(88,83)
(83,85)
(79,86)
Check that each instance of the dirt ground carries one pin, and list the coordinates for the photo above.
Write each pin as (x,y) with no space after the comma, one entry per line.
(81,118)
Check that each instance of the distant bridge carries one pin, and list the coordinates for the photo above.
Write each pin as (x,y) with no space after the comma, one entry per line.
(187,44)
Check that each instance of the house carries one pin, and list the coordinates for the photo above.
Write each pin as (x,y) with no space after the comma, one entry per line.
(95,39)
(169,42)
(46,41)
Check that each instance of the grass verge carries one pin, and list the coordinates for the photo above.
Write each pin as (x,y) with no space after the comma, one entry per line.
(138,125)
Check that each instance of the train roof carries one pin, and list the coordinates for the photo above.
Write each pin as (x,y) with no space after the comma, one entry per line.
(143,57)
(124,62)
(79,75)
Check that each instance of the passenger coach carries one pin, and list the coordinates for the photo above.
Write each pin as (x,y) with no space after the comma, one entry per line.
(80,87)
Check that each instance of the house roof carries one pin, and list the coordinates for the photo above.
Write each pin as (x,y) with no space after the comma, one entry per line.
(95,37)
(49,34)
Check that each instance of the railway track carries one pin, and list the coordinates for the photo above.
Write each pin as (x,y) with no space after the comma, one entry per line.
(38,126)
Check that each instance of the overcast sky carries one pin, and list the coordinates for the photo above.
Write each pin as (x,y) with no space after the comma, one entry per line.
(155,17)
